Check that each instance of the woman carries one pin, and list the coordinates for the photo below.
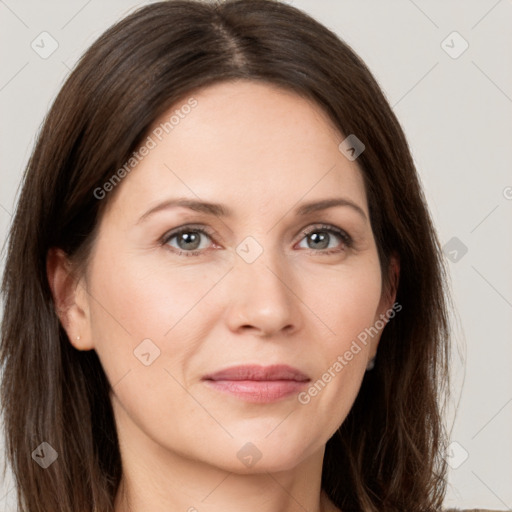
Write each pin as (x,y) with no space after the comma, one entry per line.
(223,289)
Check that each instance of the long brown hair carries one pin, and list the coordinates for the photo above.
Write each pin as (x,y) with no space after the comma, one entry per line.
(388,453)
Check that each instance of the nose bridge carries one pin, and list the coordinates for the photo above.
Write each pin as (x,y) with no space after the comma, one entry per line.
(264,297)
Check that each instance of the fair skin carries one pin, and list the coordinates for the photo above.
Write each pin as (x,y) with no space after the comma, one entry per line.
(262,152)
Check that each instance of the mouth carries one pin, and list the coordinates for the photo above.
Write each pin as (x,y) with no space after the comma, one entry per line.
(258,384)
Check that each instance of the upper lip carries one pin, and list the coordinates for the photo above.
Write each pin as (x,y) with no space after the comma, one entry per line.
(259,373)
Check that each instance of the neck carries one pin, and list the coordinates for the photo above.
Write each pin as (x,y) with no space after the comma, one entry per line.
(159,481)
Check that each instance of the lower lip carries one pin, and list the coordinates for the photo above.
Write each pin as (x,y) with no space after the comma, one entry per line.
(258,391)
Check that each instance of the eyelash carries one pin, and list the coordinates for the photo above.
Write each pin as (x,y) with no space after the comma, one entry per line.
(344,236)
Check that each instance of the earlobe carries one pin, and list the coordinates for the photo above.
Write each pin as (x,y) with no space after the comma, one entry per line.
(70,299)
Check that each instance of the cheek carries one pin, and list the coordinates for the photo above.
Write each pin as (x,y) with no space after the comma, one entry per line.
(348,306)
(345,299)
(148,322)
(140,305)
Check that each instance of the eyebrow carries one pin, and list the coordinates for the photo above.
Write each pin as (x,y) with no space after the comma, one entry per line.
(220,210)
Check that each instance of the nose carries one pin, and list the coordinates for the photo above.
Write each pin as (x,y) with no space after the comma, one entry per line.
(263,298)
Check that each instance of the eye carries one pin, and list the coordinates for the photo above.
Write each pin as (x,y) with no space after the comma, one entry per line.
(187,240)
(324,237)
(193,241)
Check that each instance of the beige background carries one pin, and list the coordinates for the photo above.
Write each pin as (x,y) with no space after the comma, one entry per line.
(457,114)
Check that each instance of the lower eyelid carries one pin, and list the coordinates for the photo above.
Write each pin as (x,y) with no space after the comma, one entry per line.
(165,240)
(340,233)
(345,238)
(343,246)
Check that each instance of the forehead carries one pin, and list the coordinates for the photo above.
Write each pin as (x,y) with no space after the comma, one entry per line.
(248,143)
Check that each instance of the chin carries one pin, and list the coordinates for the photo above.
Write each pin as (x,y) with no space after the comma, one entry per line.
(269,463)
(270,454)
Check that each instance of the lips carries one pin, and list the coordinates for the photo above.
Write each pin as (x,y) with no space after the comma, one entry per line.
(259,373)
(258,384)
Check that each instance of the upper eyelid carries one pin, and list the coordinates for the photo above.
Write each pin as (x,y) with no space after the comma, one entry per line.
(311,227)
(164,239)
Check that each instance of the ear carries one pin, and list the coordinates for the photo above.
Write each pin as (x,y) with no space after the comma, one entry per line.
(389,294)
(70,298)
(387,309)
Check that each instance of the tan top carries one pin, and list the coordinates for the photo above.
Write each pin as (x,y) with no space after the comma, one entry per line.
(330,507)
(471,510)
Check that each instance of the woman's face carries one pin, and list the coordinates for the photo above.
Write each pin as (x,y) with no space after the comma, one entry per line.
(271,276)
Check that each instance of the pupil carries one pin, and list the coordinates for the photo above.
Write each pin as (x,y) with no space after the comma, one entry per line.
(315,237)
(188,238)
